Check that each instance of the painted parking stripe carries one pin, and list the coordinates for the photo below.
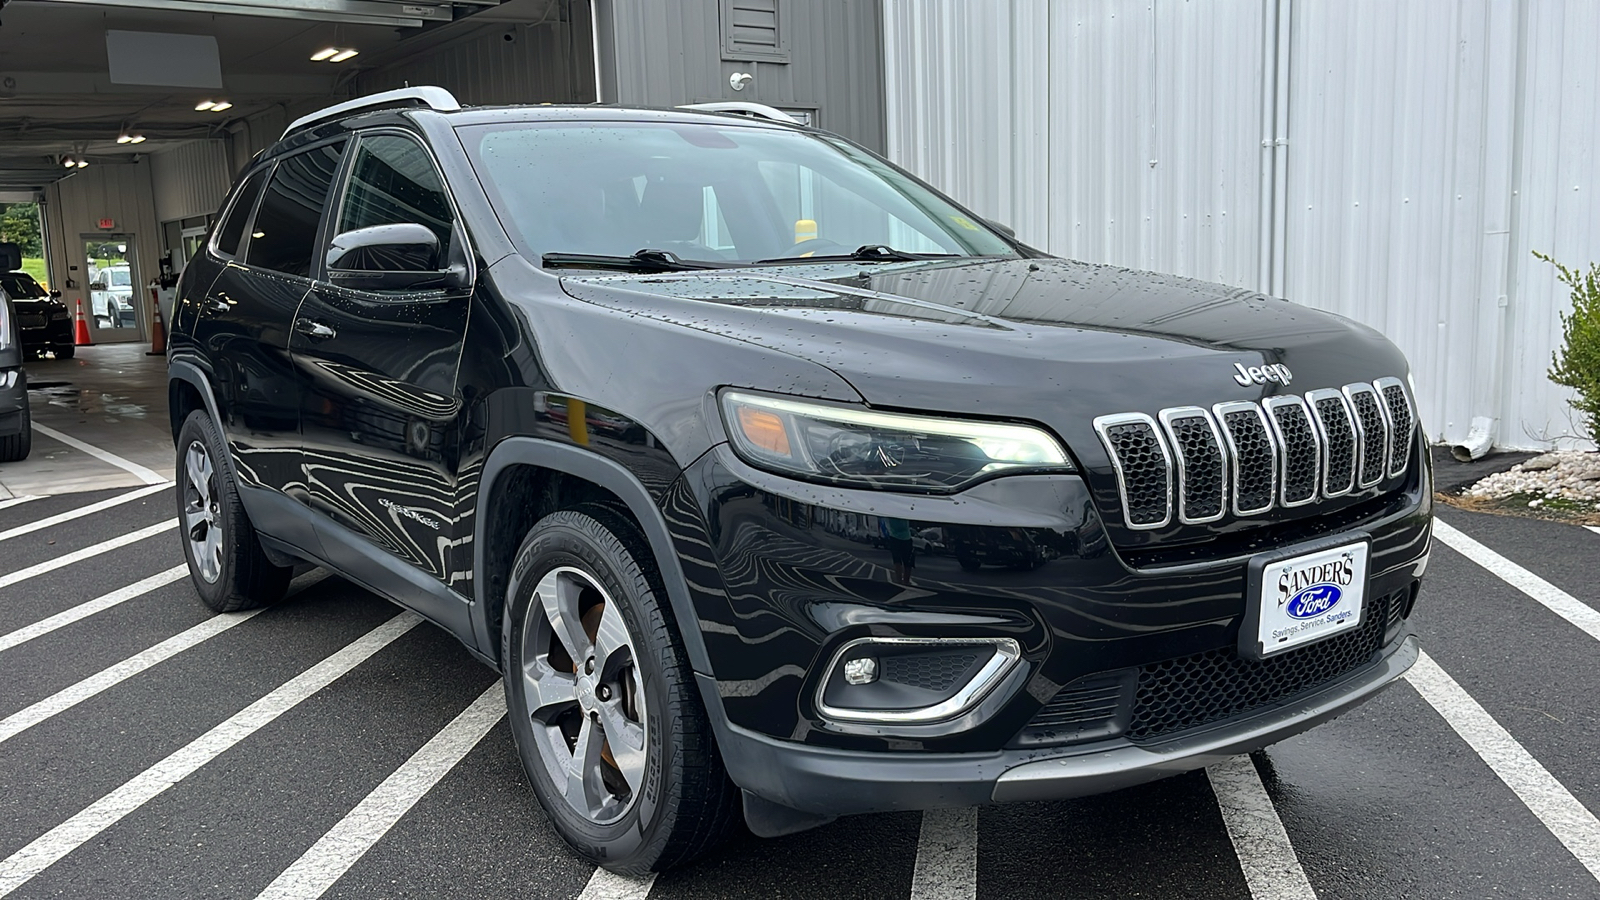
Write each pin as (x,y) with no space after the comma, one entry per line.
(1593,528)
(1569,820)
(89,510)
(68,697)
(77,556)
(148,476)
(947,855)
(606,885)
(1271,867)
(89,608)
(17,501)
(335,852)
(20,867)
(1555,599)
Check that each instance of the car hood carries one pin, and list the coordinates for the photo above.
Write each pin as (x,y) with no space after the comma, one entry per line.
(37,304)
(1053,340)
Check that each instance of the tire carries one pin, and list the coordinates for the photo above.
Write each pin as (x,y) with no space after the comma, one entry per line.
(642,811)
(66,351)
(16,447)
(227,566)
(969,563)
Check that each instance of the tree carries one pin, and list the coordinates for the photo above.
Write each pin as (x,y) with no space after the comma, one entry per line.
(19,224)
(1576,364)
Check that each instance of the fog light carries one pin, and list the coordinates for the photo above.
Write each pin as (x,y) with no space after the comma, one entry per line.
(861,671)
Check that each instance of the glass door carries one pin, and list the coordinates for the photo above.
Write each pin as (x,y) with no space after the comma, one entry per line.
(117,299)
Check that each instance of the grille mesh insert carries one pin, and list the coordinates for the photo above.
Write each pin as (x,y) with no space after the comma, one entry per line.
(1400,414)
(1340,432)
(1203,480)
(1144,471)
(1256,460)
(1218,684)
(1300,452)
(931,671)
(1372,426)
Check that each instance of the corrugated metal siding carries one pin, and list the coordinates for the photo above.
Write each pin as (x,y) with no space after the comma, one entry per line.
(549,62)
(1133,135)
(190,180)
(667,54)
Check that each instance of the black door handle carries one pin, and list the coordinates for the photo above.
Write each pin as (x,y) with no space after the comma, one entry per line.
(313,329)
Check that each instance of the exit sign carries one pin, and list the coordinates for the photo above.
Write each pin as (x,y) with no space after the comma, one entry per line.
(108,224)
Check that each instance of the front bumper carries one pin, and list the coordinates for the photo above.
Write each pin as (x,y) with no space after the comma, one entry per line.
(46,337)
(831,782)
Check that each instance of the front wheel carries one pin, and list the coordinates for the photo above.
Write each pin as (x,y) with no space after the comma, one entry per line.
(603,706)
(229,569)
(66,351)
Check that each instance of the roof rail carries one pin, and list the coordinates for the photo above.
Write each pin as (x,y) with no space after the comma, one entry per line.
(744,107)
(436,98)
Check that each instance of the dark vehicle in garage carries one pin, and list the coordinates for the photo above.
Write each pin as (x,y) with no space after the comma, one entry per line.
(16,431)
(44,323)
(639,403)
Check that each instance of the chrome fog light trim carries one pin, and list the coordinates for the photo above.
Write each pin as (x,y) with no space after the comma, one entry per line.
(1007,652)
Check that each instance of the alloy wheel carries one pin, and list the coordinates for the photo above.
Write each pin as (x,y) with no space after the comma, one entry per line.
(202,512)
(583,694)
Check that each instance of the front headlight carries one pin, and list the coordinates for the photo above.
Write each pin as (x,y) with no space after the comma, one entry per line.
(889,451)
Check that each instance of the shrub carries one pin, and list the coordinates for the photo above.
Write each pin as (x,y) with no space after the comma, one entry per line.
(1577,363)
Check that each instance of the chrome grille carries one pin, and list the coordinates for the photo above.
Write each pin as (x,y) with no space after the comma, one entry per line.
(1202,467)
(1372,427)
(1400,421)
(1301,453)
(1249,458)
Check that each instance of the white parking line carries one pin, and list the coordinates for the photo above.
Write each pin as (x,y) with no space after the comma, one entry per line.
(67,559)
(66,698)
(148,476)
(604,885)
(17,501)
(84,511)
(335,852)
(947,855)
(18,868)
(1569,820)
(1271,867)
(1593,528)
(1558,601)
(89,608)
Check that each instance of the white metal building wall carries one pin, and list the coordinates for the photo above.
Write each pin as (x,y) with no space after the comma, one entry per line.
(190,179)
(1424,149)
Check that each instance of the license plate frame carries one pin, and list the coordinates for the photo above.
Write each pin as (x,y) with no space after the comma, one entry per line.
(1268,628)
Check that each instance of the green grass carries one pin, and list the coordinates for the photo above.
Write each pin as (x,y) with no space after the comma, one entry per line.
(35,267)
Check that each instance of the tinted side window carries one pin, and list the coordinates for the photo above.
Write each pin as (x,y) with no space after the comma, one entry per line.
(286,226)
(393,180)
(233,228)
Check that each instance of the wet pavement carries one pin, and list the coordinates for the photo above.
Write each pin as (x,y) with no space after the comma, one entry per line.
(1475,778)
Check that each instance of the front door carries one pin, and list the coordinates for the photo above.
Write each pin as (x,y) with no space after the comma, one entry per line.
(115,303)
(378,367)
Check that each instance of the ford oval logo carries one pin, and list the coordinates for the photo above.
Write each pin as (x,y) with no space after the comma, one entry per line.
(1314,601)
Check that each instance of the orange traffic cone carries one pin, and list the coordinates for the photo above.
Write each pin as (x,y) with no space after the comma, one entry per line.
(158,329)
(80,330)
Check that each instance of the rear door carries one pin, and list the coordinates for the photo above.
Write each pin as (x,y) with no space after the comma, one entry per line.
(242,329)
(380,409)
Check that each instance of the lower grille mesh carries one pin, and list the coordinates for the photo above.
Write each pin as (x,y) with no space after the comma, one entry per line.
(1219,684)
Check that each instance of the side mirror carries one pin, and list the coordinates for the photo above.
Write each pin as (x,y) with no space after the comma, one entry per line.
(1004,229)
(55,295)
(404,256)
(385,257)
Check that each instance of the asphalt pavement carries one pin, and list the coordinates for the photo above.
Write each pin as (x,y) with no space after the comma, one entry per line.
(332,745)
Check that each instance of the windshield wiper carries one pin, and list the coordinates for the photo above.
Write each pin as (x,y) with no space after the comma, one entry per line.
(863,253)
(646,260)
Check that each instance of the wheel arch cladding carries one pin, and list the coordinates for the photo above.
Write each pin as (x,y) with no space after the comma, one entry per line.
(525,479)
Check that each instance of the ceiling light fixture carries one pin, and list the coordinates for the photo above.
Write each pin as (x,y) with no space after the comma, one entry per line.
(343,55)
(128,138)
(136,139)
(81,163)
(220,106)
(204,105)
(323,54)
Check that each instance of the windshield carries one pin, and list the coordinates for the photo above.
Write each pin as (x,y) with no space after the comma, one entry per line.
(20,286)
(725,194)
(120,277)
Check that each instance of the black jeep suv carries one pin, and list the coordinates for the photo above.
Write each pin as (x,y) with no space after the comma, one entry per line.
(768,476)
